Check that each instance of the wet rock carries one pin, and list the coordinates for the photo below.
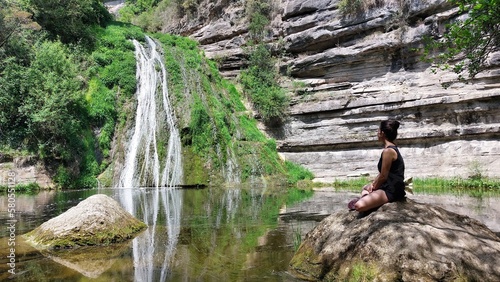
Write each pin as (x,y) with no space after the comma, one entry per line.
(97,220)
(405,241)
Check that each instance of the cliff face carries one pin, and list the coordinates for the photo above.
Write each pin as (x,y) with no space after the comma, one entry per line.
(346,73)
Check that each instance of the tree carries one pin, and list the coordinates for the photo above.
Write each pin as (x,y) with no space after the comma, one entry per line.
(53,105)
(471,40)
(16,26)
(69,20)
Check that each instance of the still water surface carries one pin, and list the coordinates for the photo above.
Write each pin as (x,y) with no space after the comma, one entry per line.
(225,234)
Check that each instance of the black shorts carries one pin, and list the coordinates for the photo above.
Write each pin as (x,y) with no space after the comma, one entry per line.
(394,193)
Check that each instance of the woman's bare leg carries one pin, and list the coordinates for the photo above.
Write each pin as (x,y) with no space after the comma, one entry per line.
(373,200)
(364,193)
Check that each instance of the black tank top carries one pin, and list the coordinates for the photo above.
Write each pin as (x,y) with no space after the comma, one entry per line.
(395,180)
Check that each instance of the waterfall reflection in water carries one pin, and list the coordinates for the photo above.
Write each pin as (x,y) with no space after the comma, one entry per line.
(154,249)
(161,209)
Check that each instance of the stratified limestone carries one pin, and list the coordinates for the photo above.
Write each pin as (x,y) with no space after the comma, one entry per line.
(405,241)
(97,220)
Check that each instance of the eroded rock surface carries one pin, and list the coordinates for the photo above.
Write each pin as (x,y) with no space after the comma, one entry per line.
(23,171)
(405,241)
(97,220)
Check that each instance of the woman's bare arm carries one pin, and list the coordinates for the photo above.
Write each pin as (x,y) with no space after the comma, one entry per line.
(388,156)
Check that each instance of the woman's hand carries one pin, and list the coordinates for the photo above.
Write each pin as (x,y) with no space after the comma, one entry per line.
(368,187)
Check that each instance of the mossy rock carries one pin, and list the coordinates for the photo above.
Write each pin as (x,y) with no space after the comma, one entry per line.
(97,220)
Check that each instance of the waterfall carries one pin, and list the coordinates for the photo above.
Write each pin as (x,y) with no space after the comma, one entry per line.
(154,119)
(153,168)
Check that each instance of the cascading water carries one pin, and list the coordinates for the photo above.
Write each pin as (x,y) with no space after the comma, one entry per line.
(153,164)
(154,120)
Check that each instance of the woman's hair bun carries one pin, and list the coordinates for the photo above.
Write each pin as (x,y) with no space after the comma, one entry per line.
(396,124)
(390,128)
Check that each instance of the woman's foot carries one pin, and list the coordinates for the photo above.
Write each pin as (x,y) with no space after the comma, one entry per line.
(352,202)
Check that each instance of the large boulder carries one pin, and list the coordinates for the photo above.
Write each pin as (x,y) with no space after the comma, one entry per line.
(97,220)
(404,241)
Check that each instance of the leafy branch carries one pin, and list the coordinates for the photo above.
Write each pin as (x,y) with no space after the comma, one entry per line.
(468,42)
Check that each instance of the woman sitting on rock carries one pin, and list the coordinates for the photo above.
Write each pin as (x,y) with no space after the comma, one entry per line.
(389,184)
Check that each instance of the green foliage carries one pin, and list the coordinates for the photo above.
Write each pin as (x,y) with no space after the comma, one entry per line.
(113,75)
(347,7)
(12,93)
(56,96)
(16,31)
(468,41)
(355,184)
(296,172)
(200,127)
(70,20)
(63,176)
(197,94)
(28,188)
(259,15)
(249,130)
(112,71)
(101,108)
(143,5)
(260,84)
(145,13)
(470,186)
(51,102)
(128,13)
(260,79)
(297,239)
(62,102)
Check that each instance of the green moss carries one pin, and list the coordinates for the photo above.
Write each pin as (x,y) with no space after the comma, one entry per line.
(106,178)
(362,272)
(46,239)
(306,264)
(309,265)
(194,168)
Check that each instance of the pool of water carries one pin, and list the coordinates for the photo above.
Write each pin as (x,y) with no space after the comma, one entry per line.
(226,234)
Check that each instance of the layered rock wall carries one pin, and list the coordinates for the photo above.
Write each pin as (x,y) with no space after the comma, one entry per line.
(23,171)
(346,72)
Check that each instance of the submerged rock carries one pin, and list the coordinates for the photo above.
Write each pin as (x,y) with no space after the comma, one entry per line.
(404,241)
(97,220)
